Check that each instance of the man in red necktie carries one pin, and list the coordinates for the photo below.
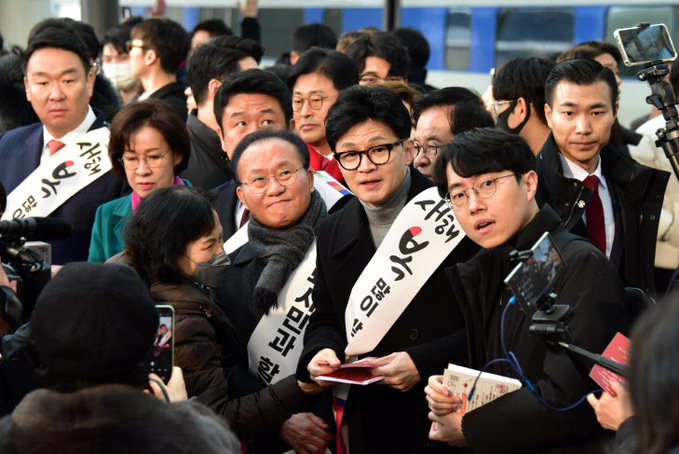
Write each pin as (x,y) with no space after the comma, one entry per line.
(599,192)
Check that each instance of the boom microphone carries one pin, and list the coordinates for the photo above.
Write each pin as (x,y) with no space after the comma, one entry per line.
(41,229)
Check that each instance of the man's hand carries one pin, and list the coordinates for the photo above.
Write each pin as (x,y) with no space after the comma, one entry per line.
(250,8)
(306,433)
(398,370)
(441,401)
(321,364)
(176,389)
(611,410)
(447,428)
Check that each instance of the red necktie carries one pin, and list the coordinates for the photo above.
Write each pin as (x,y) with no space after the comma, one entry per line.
(325,163)
(54,146)
(595,214)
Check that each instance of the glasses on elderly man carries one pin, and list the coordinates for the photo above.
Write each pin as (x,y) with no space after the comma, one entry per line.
(259,183)
(484,187)
(378,155)
(430,152)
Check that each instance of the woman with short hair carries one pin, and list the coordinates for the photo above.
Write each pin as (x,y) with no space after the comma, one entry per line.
(149,147)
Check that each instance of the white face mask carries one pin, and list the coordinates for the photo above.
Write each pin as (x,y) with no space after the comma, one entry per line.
(120,75)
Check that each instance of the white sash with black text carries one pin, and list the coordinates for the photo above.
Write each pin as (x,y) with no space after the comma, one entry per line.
(60,176)
(418,241)
(276,343)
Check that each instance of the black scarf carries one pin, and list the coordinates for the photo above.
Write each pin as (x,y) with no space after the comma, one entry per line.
(281,250)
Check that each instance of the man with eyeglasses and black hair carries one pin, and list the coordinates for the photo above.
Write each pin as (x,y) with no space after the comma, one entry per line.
(519,93)
(438,116)
(315,82)
(488,178)
(158,49)
(372,287)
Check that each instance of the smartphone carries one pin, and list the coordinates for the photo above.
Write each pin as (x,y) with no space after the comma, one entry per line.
(645,44)
(533,278)
(161,357)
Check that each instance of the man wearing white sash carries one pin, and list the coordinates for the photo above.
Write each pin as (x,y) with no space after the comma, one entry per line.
(263,291)
(62,161)
(380,289)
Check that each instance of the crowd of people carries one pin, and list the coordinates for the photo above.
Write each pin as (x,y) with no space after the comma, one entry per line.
(331,208)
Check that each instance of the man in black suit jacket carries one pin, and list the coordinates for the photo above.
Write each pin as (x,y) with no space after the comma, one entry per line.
(581,107)
(246,102)
(59,84)
(389,416)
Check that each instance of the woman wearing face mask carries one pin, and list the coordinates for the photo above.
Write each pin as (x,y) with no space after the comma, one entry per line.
(174,241)
(149,146)
(116,60)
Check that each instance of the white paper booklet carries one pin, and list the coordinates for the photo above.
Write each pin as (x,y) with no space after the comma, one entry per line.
(460,380)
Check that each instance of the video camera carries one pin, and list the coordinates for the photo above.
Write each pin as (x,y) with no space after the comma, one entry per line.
(23,265)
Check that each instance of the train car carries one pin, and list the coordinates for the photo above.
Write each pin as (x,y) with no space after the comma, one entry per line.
(467,37)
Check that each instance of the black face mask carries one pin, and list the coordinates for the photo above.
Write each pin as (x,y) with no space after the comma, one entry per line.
(503,119)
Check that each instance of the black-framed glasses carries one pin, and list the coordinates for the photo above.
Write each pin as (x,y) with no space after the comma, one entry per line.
(378,155)
(484,187)
(285,177)
(315,102)
(131,162)
(129,45)
(430,152)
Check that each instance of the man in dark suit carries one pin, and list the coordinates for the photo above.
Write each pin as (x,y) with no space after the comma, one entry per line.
(59,83)
(597,191)
(246,102)
(391,415)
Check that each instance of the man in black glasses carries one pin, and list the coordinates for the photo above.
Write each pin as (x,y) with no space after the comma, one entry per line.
(488,178)
(373,294)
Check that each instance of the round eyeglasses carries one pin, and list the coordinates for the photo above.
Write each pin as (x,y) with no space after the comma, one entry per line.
(152,160)
(315,102)
(378,155)
(484,187)
(430,152)
(259,183)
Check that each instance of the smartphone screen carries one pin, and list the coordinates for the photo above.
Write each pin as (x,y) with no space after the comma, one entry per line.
(161,357)
(642,45)
(529,280)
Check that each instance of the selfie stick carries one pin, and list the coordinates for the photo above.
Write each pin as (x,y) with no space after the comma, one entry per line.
(602,361)
(551,320)
(664,99)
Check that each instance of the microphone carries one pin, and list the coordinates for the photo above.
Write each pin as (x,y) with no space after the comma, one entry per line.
(41,229)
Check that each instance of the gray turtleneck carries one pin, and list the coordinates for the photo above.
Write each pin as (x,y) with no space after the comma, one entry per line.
(381,218)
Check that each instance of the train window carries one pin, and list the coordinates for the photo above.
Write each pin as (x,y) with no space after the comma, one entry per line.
(629,16)
(280,25)
(533,32)
(458,39)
